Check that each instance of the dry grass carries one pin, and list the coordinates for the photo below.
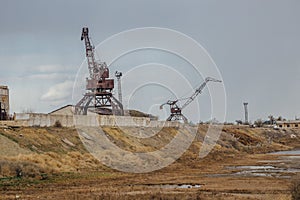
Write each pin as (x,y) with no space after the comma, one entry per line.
(295,188)
(19,169)
(124,139)
(54,162)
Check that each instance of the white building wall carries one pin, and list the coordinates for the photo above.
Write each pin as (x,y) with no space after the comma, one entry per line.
(46,120)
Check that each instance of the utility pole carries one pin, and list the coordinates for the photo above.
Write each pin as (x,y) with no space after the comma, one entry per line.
(246,112)
(118,75)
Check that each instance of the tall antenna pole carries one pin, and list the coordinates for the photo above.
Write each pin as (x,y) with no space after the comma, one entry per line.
(118,75)
(246,112)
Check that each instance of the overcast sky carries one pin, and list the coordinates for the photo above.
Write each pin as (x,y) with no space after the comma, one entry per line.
(254,43)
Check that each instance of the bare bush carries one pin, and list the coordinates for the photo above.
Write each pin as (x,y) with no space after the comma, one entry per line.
(19,169)
(259,123)
(57,124)
(295,189)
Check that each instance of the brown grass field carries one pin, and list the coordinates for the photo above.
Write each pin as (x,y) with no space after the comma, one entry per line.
(52,163)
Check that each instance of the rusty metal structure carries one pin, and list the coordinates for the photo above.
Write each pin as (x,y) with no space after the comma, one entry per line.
(4,102)
(98,97)
(176,110)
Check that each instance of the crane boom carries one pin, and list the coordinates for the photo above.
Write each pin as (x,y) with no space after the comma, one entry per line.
(198,91)
(92,65)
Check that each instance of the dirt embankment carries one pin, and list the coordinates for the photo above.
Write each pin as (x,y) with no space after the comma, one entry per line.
(61,150)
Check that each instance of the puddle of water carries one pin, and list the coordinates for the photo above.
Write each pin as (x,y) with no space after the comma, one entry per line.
(250,173)
(261,171)
(292,152)
(270,161)
(254,167)
(175,186)
(187,186)
(285,165)
(179,186)
(272,171)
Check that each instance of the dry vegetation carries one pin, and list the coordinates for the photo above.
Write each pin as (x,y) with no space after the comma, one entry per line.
(55,160)
(295,188)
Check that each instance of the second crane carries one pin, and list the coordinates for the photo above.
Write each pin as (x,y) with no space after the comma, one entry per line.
(176,110)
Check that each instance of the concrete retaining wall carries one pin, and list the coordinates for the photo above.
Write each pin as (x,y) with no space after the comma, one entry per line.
(46,120)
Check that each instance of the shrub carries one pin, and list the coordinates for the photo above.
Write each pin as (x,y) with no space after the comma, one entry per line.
(259,123)
(57,124)
(19,169)
(296,189)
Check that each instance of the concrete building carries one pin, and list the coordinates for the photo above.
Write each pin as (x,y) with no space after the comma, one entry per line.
(288,124)
(4,98)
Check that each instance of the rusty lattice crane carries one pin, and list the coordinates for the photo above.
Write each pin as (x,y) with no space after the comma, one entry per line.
(176,110)
(98,97)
